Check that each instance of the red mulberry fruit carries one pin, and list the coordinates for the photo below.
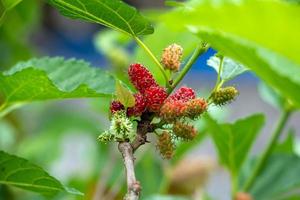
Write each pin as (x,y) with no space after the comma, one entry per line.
(116,106)
(140,77)
(155,97)
(184,94)
(139,107)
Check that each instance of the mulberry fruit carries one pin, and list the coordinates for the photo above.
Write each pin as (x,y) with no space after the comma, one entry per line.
(184,131)
(165,145)
(171,57)
(139,107)
(116,106)
(195,108)
(140,77)
(184,94)
(224,95)
(171,110)
(155,97)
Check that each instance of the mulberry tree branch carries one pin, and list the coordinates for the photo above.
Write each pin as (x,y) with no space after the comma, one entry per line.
(127,150)
(133,186)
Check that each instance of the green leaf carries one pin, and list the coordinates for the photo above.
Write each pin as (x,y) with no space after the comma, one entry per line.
(165,37)
(233,141)
(230,67)
(9,4)
(111,13)
(287,145)
(15,32)
(270,96)
(53,78)
(253,39)
(279,179)
(255,21)
(124,95)
(18,172)
(266,64)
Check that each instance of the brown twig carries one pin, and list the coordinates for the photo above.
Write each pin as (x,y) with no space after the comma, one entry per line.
(127,150)
(133,186)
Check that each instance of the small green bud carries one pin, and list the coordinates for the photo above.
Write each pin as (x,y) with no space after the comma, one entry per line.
(105,137)
(121,129)
(224,95)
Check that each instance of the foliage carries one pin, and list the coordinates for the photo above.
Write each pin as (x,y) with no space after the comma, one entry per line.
(246,36)
(264,56)
(230,68)
(19,172)
(112,13)
(16,27)
(233,141)
(45,78)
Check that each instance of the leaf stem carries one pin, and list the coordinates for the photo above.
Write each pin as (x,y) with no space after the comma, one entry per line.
(219,81)
(262,161)
(7,108)
(234,185)
(200,49)
(147,50)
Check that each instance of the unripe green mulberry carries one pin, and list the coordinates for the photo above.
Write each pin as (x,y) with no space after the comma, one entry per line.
(105,137)
(224,95)
(121,129)
(184,131)
(165,145)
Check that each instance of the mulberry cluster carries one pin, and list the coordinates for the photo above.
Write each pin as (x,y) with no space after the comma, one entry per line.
(150,95)
(170,116)
(179,108)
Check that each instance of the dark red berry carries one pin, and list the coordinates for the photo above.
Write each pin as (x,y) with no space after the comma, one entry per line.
(140,77)
(155,97)
(116,106)
(139,107)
